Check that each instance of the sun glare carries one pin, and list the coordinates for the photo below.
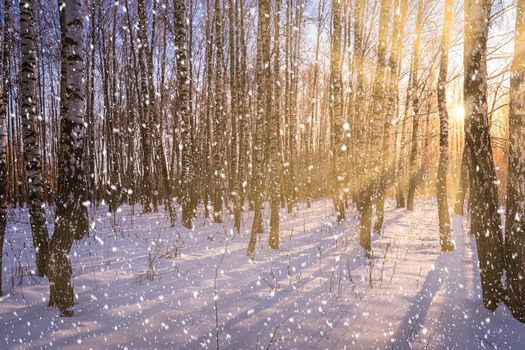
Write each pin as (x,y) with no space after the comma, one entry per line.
(458,113)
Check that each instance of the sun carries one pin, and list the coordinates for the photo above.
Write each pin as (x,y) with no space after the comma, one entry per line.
(458,113)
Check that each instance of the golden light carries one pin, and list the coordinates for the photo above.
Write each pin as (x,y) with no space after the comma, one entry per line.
(458,113)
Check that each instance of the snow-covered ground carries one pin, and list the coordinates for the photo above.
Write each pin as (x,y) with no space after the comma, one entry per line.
(141,284)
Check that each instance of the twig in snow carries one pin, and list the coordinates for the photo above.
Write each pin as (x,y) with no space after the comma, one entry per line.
(371,265)
(92,269)
(486,341)
(395,264)
(274,333)
(349,267)
(383,264)
(434,332)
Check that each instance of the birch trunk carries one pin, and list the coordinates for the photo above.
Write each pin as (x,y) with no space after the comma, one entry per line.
(30,138)
(262,69)
(187,175)
(442,197)
(339,148)
(314,103)
(146,125)
(234,184)
(359,119)
(219,120)
(71,219)
(153,113)
(209,107)
(485,221)
(90,110)
(3,169)
(273,112)
(244,116)
(372,173)
(400,169)
(387,167)
(515,226)
(412,171)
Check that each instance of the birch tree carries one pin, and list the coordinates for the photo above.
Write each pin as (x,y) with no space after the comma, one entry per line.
(234,184)
(515,226)
(339,148)
(314,107)
(153,112)
(30,137)
(208,107)
(187,175)
(219,119)
(273,102)
(396,51)
(243,119)
(360,173)
(263,72)
(294,14)
(442,198)
(485,220)
(414,94)
(71,219)
(372,174)
(3,169)
(146,125)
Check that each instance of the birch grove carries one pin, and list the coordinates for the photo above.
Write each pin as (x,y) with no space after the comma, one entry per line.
(238,116)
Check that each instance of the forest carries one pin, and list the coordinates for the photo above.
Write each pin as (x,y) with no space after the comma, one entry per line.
(316,174)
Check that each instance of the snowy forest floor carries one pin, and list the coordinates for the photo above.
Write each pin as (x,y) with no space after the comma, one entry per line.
(141,284)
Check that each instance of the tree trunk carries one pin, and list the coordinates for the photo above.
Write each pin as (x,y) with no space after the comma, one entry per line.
(234,184)
(515,226)
(359,117)
(273,112)
(292,47)
(442,197)
(91,147)
(387,167)
(141,117)
(401,166)
(412,171)
(263,70)
(153,117)
(219,120)
(314,103)
(208,109)
(339,148)
(3,165)
(371,179)
(485,221)
(187,175)
(146,124)
(244,119)
(29,130)
(362,201)
(285,190)
(71,214)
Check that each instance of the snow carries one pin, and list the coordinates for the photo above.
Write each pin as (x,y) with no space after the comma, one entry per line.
(140,283)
